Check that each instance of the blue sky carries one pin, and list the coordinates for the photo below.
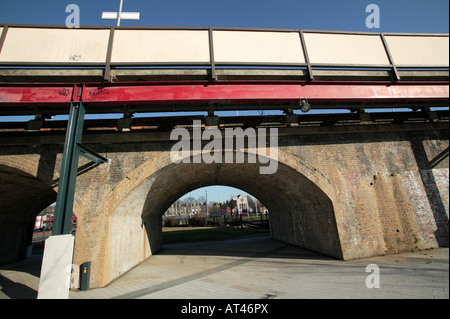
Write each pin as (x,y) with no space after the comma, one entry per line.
(412,16)
(430,16)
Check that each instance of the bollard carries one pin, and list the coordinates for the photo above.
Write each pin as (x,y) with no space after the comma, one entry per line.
(85,271)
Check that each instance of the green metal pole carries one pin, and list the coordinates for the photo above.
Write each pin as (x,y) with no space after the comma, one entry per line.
(62,224)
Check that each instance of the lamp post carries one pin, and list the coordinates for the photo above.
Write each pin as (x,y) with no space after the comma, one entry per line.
(206,193)
(121,15)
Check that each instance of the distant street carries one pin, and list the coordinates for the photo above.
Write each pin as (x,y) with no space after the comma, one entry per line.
(40,236)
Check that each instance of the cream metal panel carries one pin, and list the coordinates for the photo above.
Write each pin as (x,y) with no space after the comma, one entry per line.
(161,46)
(41,45)
(420,51)
(257,47)
(346,49)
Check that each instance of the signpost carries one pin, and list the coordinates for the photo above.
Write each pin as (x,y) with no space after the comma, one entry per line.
(121,15)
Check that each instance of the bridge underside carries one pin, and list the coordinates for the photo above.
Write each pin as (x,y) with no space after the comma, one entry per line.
(300,212)
(22,198)
(95,75)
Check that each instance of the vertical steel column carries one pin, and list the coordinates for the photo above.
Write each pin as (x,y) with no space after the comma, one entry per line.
(390,57)
(107,72)
(3,37)
(62,224)
(211,54)
(306,55)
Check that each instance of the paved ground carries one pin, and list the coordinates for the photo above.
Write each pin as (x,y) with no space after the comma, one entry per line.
(252,268)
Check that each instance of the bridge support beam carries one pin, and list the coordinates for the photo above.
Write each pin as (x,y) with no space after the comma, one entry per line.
(58,253)
(72,150)
(69,166)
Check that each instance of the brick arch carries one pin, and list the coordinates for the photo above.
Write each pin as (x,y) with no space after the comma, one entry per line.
(147,169)
(301,199)
(298,207)
(22,197)
(21,164)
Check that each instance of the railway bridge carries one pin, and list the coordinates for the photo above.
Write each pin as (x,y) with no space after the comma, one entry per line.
(368,182)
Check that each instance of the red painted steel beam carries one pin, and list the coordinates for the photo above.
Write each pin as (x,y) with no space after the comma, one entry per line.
(196,93)
(42,95)
(260,93)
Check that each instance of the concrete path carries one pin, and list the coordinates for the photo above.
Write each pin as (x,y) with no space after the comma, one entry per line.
(258,267)
(254,267)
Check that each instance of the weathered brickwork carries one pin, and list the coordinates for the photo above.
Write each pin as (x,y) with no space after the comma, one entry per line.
(347,196)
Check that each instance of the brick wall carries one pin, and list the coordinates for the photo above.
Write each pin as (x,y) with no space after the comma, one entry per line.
(347,196)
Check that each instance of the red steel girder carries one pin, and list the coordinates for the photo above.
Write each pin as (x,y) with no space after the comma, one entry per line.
(260,93)
(207,93)
(37,94)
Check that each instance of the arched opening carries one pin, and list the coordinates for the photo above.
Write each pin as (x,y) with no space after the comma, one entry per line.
(22,198)
(214,212)
(299,199)
(301,213)
(43,225)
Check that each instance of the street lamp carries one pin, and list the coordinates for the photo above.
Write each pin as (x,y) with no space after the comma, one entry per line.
(206,193)
(121,15)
